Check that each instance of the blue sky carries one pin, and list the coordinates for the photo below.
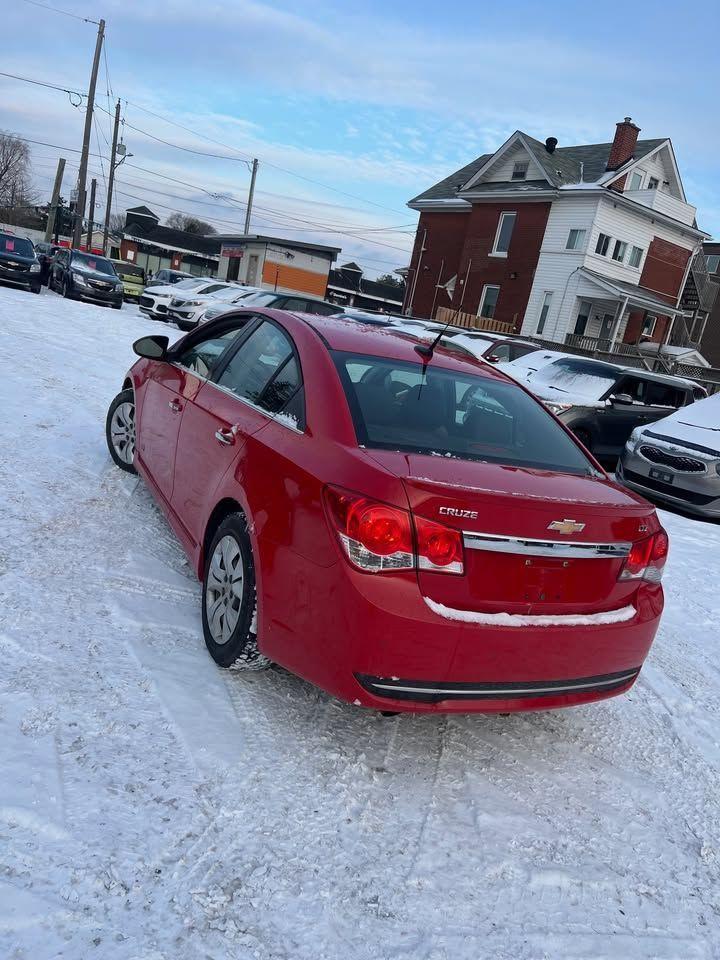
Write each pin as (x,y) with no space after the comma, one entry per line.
(372,102)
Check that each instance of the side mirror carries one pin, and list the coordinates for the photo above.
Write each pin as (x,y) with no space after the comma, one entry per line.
(151,348)
(621,398)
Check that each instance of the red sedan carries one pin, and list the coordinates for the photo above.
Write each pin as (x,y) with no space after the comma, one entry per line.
(407,528)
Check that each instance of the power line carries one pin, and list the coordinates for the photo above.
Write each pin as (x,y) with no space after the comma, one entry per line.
(65,13)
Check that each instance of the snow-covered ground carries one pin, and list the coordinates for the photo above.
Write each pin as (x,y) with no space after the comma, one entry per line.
(154,807)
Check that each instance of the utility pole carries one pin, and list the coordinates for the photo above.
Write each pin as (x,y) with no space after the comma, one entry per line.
(52,212)
(82,175)
(91,215)
(248,212)
(111,179)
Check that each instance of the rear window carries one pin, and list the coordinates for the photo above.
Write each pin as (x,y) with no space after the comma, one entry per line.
(129,270)
(397,406)
(583,378)
(18,245)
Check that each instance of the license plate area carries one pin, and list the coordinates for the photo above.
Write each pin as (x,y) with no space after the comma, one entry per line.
(661,475)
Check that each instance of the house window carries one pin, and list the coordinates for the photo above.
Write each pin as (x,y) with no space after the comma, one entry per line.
(582,318)
(544,310)
(653,183)
(648,327)
(520,169)
(713,262)
(488,301)
(505,228)
(636,180)
(576,240)
(619,251)
(636,255)
(603,244)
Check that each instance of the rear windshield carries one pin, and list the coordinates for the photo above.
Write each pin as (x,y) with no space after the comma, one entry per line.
(395,406)
(583,378)
(129,270)
(89,262)
(18,245)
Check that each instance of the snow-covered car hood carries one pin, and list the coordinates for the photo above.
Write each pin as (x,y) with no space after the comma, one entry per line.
(164,290)
(698,423)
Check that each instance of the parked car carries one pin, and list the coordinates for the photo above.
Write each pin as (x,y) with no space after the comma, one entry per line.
(407,533)
(18,263)
(677,459)
(602,403)
(133,278)
(85,276)
(45,253)
(155,300)
(493,347)
(186,309)
(169,277)
(297,302)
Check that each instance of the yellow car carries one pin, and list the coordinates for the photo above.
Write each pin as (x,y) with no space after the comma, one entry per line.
(133,278)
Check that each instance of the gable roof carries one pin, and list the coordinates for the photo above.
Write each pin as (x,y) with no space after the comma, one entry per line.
(352,280)
(171,238)
(561,167)
(143,211)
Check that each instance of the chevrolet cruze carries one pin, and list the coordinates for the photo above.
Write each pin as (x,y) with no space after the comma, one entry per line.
(399,523)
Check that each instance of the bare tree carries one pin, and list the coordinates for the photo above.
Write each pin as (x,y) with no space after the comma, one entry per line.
(15,188)
(117,222)
(190,224)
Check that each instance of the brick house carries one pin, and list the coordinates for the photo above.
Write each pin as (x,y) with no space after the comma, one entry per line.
(592,241)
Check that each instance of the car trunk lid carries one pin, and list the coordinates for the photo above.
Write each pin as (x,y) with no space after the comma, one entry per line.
(536,542)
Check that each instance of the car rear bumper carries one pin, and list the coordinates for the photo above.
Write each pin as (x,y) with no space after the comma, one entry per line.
(697,493)
(376,642)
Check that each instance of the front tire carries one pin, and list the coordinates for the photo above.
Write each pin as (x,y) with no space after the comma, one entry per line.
(120,430)
(229,600)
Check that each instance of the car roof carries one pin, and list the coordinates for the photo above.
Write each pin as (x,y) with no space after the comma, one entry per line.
(349,336)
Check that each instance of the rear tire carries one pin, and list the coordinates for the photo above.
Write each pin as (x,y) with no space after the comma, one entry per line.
(37,288)
(120,430)
(66,290)
(229,599)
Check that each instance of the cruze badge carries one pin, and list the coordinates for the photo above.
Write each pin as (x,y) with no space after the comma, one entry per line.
(456,512)
(566,526)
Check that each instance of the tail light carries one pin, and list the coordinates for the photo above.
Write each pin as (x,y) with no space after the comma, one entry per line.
(439,547)
(646,560)
(378,537)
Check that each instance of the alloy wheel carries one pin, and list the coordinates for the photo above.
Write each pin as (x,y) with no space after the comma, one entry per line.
(224,589)
(122,431)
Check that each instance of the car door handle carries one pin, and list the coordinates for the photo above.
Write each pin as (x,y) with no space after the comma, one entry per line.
(175,406)
(226,437)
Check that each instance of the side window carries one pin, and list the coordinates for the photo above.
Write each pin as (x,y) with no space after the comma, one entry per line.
(202,356)
(324,309)
(501,352)
(633,387)
(665,395)
(260,361)
(284,393)
(296,303)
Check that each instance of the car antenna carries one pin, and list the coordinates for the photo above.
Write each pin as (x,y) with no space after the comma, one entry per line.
(426,350)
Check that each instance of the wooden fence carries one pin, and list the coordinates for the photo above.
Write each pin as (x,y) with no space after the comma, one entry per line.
(470,320)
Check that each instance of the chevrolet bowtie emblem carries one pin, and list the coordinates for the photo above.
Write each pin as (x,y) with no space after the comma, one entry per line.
(566,526)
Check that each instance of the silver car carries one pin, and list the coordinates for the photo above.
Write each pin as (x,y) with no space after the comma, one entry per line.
(677,459)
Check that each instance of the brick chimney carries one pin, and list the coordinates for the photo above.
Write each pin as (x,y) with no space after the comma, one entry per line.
(623,146)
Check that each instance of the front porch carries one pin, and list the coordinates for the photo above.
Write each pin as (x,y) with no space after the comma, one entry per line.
(608,315)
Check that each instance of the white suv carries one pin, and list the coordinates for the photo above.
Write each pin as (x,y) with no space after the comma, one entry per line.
(155,300)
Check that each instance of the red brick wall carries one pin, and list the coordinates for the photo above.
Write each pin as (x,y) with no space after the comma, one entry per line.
(623,145)
(663,273)
(664,269)
(126,245)
(513,273)
(444,241)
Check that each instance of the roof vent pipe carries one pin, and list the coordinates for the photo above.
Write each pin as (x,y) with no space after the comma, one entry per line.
(550,144)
